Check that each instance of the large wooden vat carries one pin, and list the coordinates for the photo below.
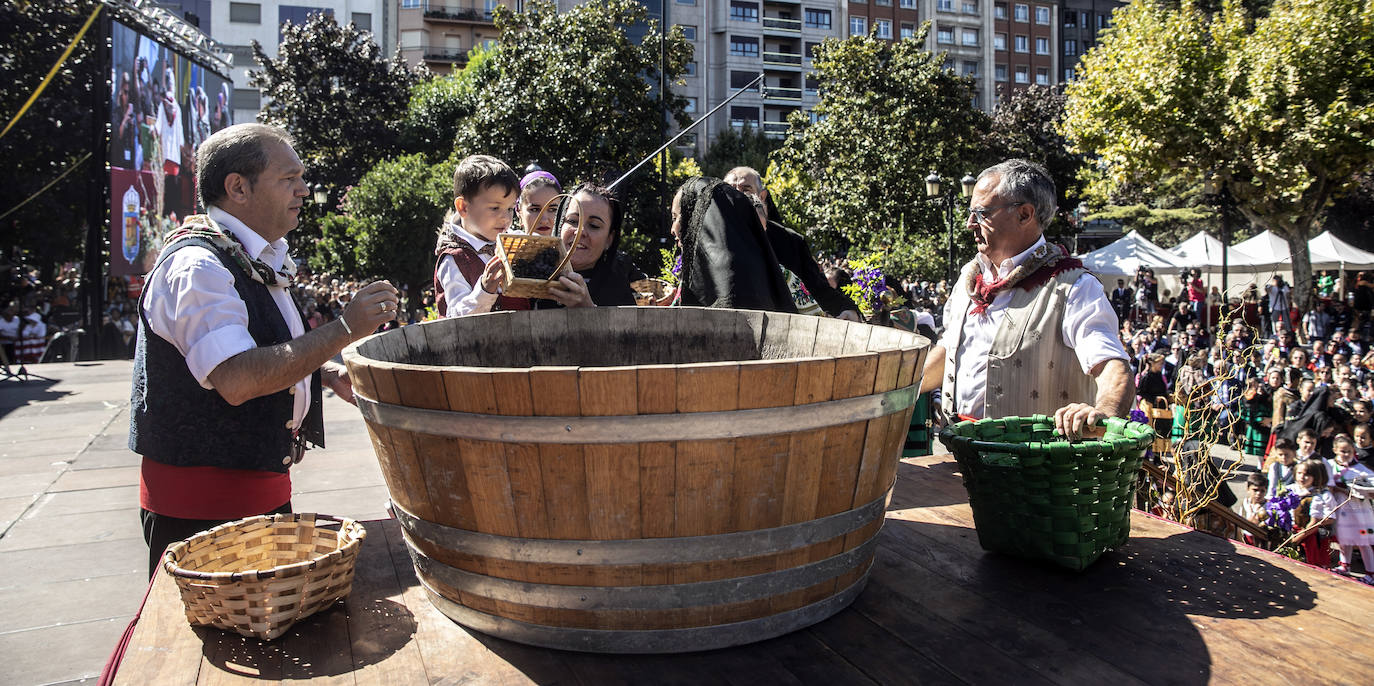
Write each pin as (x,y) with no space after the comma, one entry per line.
(639,479)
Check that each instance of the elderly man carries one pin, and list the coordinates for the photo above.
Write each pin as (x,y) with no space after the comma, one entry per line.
(1028,330)
(793,253)
(226,387)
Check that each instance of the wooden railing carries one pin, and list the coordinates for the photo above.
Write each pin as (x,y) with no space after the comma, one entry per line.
(1213,518)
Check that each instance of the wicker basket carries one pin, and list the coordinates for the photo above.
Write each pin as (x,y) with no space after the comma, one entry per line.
(516,246)
(1036,494)
(260,575)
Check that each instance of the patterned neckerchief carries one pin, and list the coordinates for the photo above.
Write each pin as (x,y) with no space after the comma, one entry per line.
(202,226)
(1048,261)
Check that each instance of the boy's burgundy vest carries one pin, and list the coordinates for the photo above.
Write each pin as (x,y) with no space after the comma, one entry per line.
(470,265)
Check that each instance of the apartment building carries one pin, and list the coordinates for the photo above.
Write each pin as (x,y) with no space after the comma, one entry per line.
(1082,20)
(439,33)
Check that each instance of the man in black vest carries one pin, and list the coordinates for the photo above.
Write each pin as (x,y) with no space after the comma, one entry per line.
(227,381)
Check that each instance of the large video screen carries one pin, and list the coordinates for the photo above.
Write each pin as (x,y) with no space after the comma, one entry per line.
(162,106)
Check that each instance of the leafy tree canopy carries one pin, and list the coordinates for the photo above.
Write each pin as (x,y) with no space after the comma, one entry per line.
(438,106)
(1027,127)
(54,133)
(1279,107)
(339,97)
(889,114)
(748,147)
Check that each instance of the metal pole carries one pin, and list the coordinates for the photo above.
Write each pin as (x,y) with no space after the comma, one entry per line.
(1225,237)
(685,131)
(949,224)
(93,276)
(663,116)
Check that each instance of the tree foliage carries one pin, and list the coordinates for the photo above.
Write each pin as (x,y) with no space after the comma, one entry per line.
(439,105)
(1279,107)
(332,88)
(1027,126)
(571,91)
(748,147)
(889,114)
(55,132)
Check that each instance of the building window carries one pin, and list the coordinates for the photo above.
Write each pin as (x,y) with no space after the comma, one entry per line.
(1042,46)
(1070,19)
(969,37)
(1022,13)
(883,3)
(688,32)
(812,85)
(818,19)
(691,106)
(883,28)
(1022,44)
(247,99)
(1000,72)
(1101,21)
(974,101)
(970,8)
(1068,74)
(412,39)
(1042,76)
(944,36)
(907,4)
(245,13)
(949,64)
(691,68)
(411,4)
(1042,15)
(1000,10)
(744,116)
(858,26)
(686,2)
(970,68)
(744,46)
(908,31)
(744,11)
(362,20)
(1070,47)
(944,5)
(740,79)
(809,50)
(1022,74)
(999,41)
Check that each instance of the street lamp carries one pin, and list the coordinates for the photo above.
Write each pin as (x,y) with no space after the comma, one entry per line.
(933,188)
(321,195)
(1220,193)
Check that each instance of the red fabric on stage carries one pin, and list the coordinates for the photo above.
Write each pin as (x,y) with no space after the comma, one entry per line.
(210,492)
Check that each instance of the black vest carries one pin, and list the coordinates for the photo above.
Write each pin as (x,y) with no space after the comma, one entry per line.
(175,421)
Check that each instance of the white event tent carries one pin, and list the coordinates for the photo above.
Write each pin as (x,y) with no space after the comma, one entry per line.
(1204,251)
(1121,260)
(1337,254)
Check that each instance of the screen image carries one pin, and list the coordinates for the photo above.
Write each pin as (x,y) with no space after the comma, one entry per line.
(163,105)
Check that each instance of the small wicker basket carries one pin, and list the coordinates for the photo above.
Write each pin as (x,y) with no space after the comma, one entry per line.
(517,246)
(260,575)
(1035,494)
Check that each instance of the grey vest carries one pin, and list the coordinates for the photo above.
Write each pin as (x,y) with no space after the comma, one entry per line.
(1030,370)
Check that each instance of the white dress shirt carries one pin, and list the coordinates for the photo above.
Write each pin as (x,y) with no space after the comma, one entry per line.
(1090,329)
(192,304)
(461,296)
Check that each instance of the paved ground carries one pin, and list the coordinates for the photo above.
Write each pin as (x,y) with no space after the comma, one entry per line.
(73,566)
(72,558)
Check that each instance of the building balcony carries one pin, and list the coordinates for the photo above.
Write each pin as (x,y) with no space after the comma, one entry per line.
(780,93)
(791,59)
(458,57)
(777,24)
(775,129)
(456,14)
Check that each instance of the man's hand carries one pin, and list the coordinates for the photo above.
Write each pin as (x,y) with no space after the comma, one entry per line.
(335,376)
(849,316)
(570,290)
(1071,420)
(375,304)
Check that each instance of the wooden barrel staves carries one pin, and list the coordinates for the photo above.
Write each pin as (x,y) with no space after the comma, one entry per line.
(639,480)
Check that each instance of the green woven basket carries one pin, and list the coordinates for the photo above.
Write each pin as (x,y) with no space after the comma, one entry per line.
(1036,494)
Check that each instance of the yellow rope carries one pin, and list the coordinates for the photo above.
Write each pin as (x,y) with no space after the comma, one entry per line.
(50,185)
(52,72)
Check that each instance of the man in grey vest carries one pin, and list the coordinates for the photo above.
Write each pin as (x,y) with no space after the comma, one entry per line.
(1027,329)
(227,381)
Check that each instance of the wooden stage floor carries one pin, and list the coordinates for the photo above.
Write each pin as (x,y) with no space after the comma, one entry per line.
(1172,606)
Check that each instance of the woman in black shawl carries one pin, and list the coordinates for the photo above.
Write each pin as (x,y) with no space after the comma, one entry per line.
(605,273)
(726,258)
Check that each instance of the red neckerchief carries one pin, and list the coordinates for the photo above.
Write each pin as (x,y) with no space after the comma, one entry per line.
(1045,263)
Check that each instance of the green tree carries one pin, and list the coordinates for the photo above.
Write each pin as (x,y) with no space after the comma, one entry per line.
(387,223)
(889,113)
(1279,107)
(55,132)
(732,148)
(1027,126)
(332,88)
(571,91)
(439,105)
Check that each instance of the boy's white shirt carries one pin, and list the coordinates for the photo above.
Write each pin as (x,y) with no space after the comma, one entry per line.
(461,296)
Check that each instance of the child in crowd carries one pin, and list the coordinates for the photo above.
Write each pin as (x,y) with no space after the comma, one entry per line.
(1345,466)
(1351,515)
(1364,443)
(1307,444)
(1252,508)
(1281,472)
(1310,477)
(467,278)
(537,189)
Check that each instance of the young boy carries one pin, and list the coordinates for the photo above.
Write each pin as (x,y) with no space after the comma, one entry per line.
(466,277)
(1284,457)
